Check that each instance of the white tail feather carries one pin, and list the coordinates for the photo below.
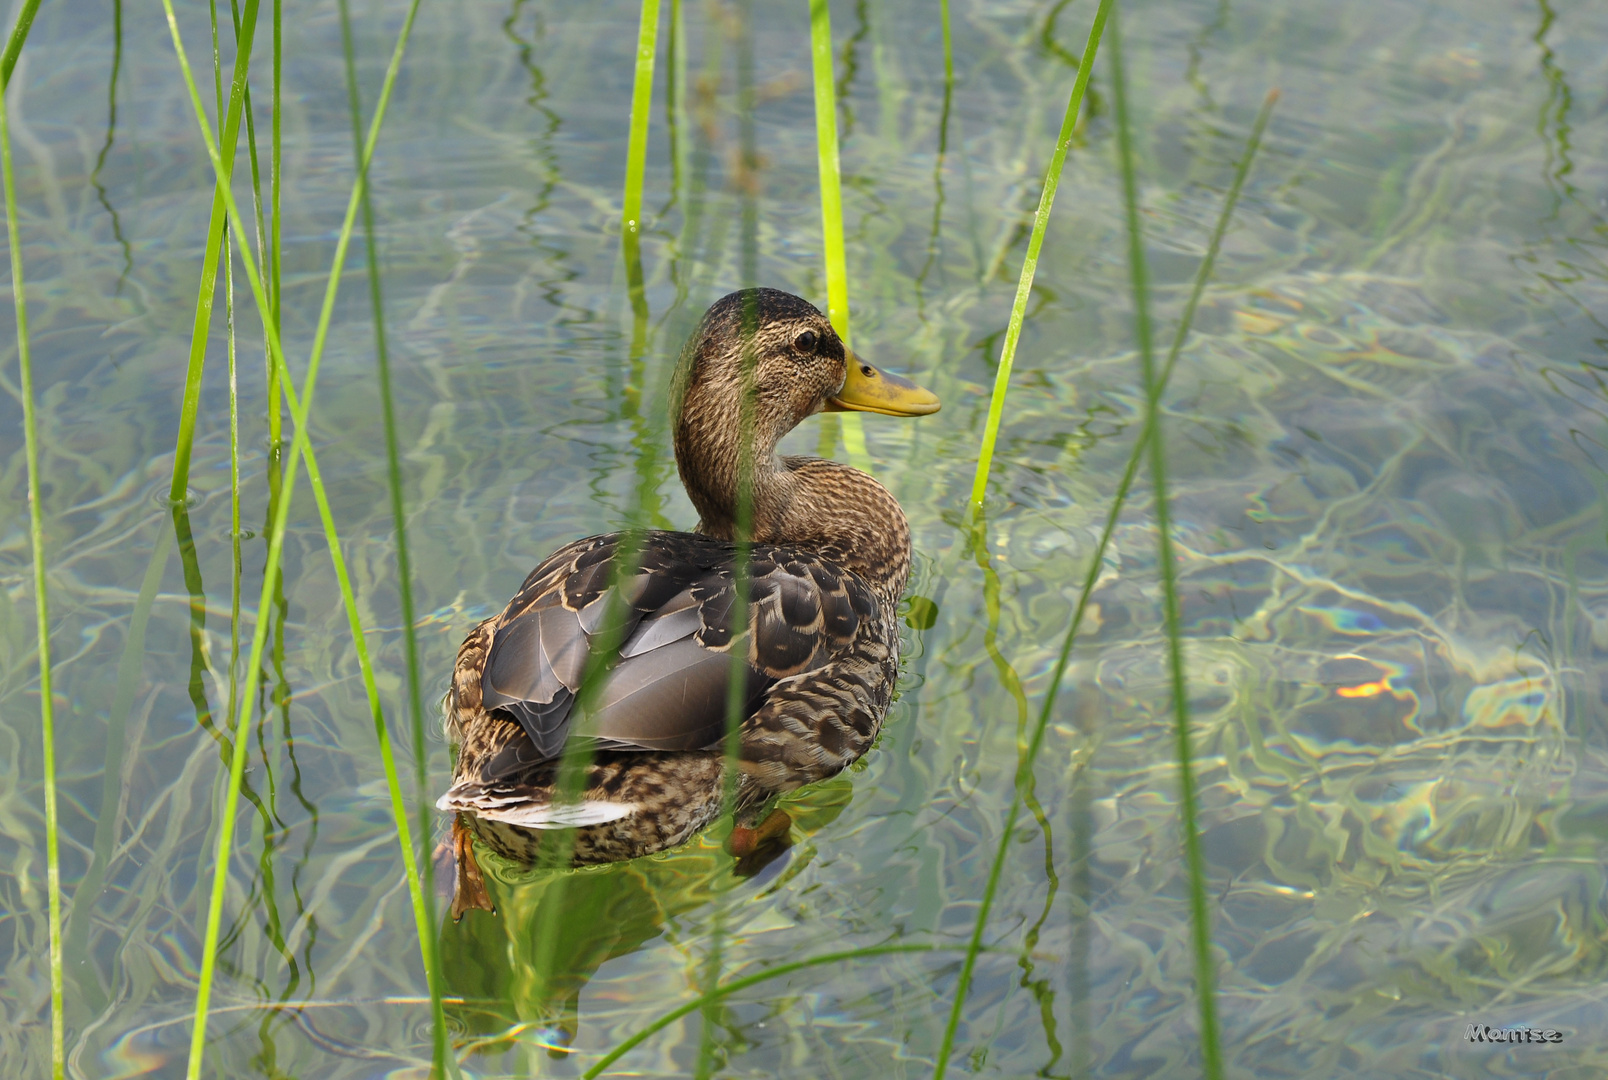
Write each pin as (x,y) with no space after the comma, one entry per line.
(573,816)
(513,810)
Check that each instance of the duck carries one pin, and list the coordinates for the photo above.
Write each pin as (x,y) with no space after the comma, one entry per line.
(809,663)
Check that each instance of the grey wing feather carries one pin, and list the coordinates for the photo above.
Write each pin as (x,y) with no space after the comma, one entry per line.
(534,670)
(676,620)
(667,684)
(671,698)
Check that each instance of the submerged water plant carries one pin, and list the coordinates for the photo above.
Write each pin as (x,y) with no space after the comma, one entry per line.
(36,545)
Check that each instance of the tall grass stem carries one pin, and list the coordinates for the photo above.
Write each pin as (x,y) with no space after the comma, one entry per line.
(234,491)
(209,261)
(257,210)
(275,181)
(834,256)
(828,168)
(36,536)
(1211,1053)
(19,34)
(743,523)
(636,156)
(399,518)
(1035,243)
(569,783)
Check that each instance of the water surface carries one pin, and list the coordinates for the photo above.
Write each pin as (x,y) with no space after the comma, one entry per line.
(1387,443)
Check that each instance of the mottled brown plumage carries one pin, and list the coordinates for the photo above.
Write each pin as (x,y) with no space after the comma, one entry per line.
(819,650)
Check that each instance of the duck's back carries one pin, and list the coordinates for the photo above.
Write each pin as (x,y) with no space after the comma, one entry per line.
(818,656)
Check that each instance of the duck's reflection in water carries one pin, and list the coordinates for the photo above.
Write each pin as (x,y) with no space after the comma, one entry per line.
(510,988)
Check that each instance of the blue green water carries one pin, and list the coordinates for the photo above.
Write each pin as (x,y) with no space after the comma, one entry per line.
(1386,436)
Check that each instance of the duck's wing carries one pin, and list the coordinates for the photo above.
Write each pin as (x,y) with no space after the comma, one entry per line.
(537,658)
(667,682)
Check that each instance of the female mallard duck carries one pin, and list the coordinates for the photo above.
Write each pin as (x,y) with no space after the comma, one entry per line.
(830,558)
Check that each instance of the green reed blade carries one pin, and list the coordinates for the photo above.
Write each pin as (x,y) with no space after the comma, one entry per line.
(736,678)
(299,451)
(234,705)
(275,177)
(556,853)
(234,488)
(1035,242)
(832,249)
(19,34)
(631,223)
(217,61)
(1211,1054)
(36,534)
(826,156)
(743,523)
(209,264)
(747,179)
(1114,511)
(234,407)
(399,518)
(257,211)
(636,157)
(735,985)
(568,785)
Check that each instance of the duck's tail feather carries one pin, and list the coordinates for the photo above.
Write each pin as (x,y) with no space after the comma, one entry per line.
(517,807)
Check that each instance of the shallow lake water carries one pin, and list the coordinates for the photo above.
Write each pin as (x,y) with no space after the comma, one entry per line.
(1387,441)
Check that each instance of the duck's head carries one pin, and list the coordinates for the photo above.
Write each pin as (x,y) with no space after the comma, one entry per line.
(794,364)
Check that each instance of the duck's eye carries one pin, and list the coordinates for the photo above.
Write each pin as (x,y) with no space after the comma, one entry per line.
(805,342)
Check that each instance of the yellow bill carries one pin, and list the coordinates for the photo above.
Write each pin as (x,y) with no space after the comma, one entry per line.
(870,389)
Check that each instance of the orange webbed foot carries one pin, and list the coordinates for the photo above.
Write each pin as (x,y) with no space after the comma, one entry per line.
(470,893)
(745,840)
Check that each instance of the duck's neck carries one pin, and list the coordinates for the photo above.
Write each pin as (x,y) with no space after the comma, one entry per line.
(826,506)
